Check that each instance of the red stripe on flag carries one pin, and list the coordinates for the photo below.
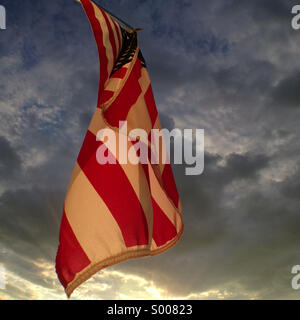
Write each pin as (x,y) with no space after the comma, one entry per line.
(149,99)
(120,74)
(169,184)
(98,34)
(118,31)
(70,258)
(128,96)
(163,229)
(107,94)
(111,35)
(113,186)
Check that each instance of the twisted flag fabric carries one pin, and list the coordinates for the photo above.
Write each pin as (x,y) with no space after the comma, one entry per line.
(116,211)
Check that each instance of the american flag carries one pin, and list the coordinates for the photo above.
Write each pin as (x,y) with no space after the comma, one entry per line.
(115,212)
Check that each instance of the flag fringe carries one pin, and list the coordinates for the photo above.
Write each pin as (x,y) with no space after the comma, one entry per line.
(87,273)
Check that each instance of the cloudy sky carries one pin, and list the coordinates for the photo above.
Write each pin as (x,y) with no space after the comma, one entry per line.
(230,67)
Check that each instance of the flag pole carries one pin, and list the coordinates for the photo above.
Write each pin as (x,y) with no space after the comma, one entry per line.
(128,26)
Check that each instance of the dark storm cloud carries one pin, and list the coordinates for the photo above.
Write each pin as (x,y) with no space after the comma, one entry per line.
(245,166)
(218,65)
(29,234)
(270,10)
(290,188)
(10,161)
(30,220)
(234,82)
(287,92)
